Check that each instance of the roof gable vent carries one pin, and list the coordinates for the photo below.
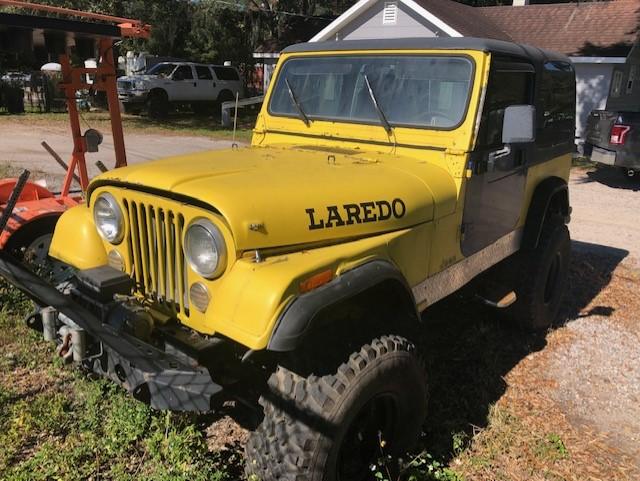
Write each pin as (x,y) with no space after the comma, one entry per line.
(390,13)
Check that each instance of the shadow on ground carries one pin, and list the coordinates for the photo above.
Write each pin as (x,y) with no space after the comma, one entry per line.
(470,349)
(613,177)
(188,121)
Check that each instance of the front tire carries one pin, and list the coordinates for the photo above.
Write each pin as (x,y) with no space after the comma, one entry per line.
(334,427)
(158,104)
(542,278)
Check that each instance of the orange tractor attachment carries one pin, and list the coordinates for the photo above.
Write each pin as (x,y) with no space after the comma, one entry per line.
(29,211)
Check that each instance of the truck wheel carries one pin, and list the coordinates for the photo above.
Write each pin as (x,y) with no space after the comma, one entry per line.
(542,279)
(225,96)
(158,104)
(335,427)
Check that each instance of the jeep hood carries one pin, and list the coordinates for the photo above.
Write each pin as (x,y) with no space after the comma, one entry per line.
(276,197)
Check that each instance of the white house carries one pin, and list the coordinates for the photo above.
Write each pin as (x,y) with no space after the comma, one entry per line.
(596,35)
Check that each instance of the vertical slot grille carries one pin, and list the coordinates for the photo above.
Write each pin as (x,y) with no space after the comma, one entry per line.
(157,259)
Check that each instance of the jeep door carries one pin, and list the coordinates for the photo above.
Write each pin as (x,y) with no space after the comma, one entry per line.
(184,87)
(495,192)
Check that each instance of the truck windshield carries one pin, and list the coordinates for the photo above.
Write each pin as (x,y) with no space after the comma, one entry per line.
(162,69)
(412,90)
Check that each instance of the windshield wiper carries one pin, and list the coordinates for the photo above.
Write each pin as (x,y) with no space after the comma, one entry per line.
(294,99)
(374,100)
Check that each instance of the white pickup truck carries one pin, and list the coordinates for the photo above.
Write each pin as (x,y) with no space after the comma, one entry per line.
(172,83)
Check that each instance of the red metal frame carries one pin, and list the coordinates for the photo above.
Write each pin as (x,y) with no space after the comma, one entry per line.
(35,201)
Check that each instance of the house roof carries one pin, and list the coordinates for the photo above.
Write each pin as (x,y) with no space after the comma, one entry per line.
(467,20)
(605,28)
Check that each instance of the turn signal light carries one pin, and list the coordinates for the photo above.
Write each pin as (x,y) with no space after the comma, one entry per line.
(619,134)
(316,281)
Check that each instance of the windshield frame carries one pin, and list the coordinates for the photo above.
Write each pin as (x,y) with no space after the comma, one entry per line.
(372,122)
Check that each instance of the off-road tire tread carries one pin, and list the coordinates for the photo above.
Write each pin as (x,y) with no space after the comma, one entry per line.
(531,267)
(283,448)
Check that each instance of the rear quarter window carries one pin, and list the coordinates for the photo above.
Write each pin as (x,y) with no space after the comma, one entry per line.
(226,73)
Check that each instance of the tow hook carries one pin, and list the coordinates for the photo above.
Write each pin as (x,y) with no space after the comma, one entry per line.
(73,346)
(63,350)
(631,173)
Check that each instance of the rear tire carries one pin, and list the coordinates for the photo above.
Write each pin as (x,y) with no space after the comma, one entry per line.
(542,278)
(225,96)
(334,427)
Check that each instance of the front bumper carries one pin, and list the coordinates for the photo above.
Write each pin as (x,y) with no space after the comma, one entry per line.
(164,380)
(133,96)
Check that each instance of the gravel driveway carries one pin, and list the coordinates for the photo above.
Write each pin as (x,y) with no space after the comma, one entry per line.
(20,146)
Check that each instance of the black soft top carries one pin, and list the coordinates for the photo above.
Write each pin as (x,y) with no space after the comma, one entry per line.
(433,43)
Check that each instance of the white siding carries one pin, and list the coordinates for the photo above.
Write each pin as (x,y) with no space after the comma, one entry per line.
(592,89)
(370,25)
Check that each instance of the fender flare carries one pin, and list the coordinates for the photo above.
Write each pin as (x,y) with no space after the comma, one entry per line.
(302,314)
(551,192)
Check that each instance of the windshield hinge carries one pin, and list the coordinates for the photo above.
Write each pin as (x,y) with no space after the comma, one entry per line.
(450,151)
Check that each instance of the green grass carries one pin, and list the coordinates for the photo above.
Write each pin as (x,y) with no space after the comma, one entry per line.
(57,424)
(177,123)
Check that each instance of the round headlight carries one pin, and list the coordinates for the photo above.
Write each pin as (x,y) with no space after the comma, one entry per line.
(205,249)
(108,218)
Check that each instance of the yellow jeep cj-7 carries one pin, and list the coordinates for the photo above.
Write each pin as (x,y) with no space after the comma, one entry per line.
(291,275)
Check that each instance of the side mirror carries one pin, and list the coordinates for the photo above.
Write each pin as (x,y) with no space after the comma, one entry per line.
(519,124)
(178,76)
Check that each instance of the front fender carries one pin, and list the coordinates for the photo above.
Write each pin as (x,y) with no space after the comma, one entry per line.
(252,298)
(76,241)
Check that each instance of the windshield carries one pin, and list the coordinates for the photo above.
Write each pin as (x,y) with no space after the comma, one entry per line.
(414,91)
(162,69)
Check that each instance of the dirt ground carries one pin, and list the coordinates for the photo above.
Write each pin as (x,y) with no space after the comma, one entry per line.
(510,399)
(20,147)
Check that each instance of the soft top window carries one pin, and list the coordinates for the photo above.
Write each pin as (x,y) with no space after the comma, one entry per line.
(411,90)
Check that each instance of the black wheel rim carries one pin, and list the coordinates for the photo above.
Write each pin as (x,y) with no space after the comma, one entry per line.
(551,286)
(36,255)
(364,441)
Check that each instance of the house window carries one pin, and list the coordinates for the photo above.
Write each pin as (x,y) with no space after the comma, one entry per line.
(390,13)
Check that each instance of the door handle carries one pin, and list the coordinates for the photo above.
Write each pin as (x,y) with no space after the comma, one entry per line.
(497,155)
